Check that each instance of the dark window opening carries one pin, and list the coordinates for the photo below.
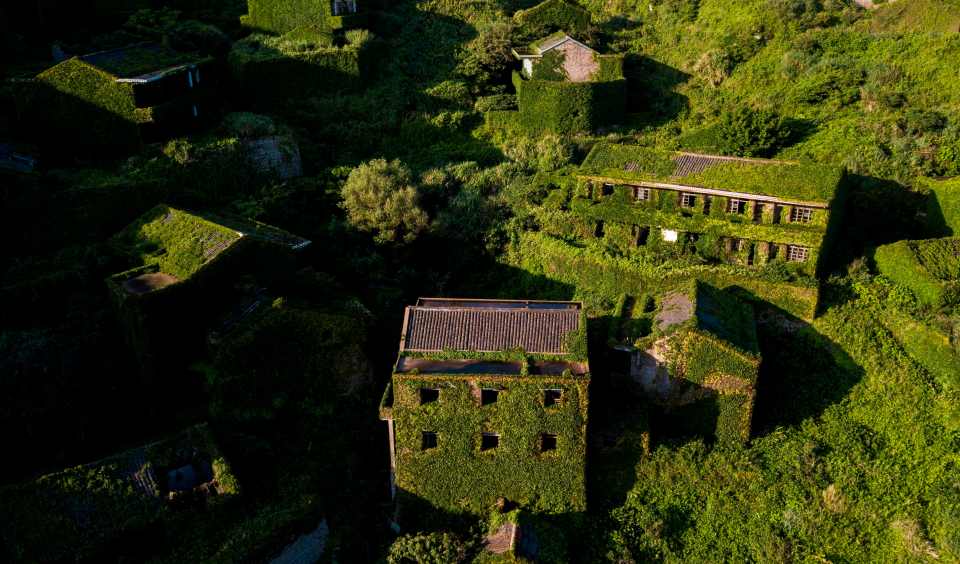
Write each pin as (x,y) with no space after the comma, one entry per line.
(488,396)
(607,190)
(489,441)
(598,232)
(428,440)
(552,397)
(758,212)
(643,233)
(707,204)
(548,442)
(777,212)
(751,252)
(429,395)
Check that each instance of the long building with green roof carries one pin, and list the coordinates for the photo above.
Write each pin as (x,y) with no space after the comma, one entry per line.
(759,210)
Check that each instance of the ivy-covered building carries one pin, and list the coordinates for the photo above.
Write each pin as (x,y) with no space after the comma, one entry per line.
(77,514)
(279,17)
(701,361)
(749,212)
(110,102)
(565,86)
(190,267)
(488,400)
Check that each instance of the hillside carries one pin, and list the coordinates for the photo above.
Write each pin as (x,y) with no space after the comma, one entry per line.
(423,177)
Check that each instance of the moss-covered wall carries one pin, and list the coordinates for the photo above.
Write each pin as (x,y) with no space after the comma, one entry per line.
(569,107)
(586,267)
(281,16)
(723,378)
(929,268)
(79,108)
(456,476)
(268,73)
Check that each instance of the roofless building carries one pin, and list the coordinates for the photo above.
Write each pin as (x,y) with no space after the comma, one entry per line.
(488,400)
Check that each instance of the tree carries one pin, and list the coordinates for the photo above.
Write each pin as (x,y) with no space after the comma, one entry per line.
(379,197)
(751,133)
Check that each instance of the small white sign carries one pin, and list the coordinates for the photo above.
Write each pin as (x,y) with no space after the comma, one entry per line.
(669,235)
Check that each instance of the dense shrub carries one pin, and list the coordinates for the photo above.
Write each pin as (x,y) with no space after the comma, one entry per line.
(569,107)
(553,15)
(428,548)
(751,133)
(379,196)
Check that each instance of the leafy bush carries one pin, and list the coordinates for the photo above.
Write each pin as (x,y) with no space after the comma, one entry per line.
(379,196)
(751,133)
(496,102)
(428,548)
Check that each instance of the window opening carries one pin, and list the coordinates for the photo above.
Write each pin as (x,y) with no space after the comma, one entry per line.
(552,397)
(429,395)
(428,440)
(548,442)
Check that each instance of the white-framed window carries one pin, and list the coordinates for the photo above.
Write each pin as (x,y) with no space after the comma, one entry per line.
(801,215)
(735,205)
(688,200)
(641,194)
(796,253)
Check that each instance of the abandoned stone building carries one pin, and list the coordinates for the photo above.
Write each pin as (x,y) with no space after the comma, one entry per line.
(488,401)
(112,101)
(750,211)
(76,514)
(580,63)
(191,267)
(280,17)
(701,361)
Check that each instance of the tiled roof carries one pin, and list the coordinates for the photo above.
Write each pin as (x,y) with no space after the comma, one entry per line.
(535,327)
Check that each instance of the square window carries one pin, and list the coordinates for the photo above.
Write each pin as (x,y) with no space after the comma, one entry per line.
(489,441)
(429,395)
(548,442)
(428,440)
(796,253)
(641,194)
(489,396)
(688,200)
(552,397)
(801,215)
(607,190)
(736,206)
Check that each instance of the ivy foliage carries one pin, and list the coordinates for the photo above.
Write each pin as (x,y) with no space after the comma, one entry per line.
(457,476)
(790,180)
(41,521)
(553,15)
(929,268)
(550,106)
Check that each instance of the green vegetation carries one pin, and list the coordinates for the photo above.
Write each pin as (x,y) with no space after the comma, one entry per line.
(378,197)
(552,15)
(943,209)
(271,69)
(179,243)
(457,476)
(930,268)
(790,180)
(852,453)
(68,513)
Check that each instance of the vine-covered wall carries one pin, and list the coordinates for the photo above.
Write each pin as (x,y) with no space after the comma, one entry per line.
(457,476)
(548,106)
